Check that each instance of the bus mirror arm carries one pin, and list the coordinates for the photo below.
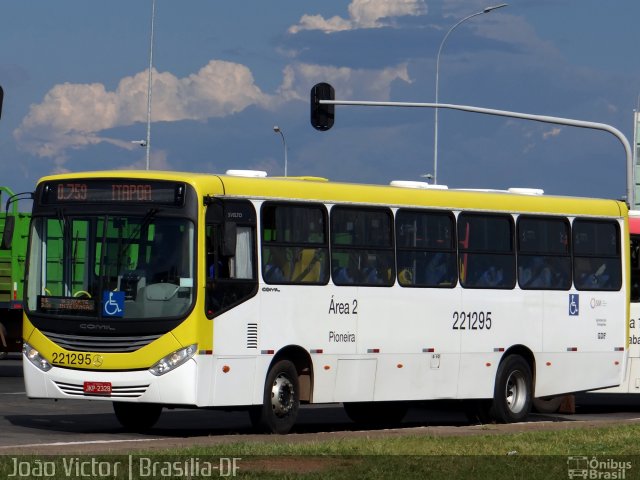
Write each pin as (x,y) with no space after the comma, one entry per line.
(10,220)
(229,239)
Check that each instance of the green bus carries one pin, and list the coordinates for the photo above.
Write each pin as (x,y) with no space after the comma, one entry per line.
(13,250)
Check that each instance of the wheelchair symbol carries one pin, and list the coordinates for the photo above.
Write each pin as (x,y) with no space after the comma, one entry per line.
(574,304)
(112,303)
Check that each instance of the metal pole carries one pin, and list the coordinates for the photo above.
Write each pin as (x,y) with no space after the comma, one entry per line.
(153,14)
(277,129)
(636,139)
(630,193)
(435,133)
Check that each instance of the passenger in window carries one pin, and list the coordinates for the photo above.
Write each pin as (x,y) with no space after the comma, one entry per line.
(347,274)
(543,279)
(538,274)
(342,276)
(438,271)
(492,277)
(370,273)
(378,271)
(405,277)
(560,272)
(590,275)
(274,270)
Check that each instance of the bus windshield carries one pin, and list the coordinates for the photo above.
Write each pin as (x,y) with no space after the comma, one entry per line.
(116,266)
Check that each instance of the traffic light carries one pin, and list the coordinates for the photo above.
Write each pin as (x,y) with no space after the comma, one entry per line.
(322,116)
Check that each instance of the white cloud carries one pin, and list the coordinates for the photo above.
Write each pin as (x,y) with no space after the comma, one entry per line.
(72,116)
(372,85)
(362,14)
(554,132)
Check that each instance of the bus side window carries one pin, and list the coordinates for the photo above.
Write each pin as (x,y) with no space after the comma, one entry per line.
(426,248)
(544,260)
(487,257)
(362,243)
(294,243)
(596,252)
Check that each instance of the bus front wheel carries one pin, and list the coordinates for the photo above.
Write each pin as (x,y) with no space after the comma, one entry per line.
(137,416)
(513,390)
(281,402)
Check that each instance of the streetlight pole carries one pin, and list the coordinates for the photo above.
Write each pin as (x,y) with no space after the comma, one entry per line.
(148,143)
(277,129)
(435,141)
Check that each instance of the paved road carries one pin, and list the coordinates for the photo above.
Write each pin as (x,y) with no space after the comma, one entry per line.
(42,425)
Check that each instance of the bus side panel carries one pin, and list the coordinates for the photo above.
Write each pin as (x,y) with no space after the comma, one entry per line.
(584,335)
(419,352)
(510,317)
(588,371)
(234,355)
(324,321)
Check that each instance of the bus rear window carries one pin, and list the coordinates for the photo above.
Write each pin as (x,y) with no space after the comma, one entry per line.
(596,255)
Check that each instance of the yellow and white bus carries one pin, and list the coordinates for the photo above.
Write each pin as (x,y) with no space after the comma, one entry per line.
(161,289)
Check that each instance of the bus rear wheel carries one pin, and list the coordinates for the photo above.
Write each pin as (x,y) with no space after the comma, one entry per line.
(137,417)
(513,390)
(279,410)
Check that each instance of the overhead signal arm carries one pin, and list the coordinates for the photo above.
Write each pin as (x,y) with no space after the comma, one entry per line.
(323,96)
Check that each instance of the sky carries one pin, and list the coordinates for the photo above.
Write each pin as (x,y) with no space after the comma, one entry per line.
(75,78)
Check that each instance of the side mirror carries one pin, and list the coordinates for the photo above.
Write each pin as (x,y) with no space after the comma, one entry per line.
(7,234)
(322,116)
(229,239)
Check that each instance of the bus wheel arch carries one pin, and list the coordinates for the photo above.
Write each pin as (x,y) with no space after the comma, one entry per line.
(304,368)
(287,384)
(514,386)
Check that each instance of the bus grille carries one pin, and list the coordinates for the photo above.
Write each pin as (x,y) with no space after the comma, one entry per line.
(252,335)
(81,343)
(133,391)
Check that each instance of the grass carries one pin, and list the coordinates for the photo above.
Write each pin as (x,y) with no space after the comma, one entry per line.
(613,440)
(492,454)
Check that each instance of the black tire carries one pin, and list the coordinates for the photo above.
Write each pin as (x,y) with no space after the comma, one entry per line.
(513,393)
(279,410)
(548,404)
(376,413)
(137,417)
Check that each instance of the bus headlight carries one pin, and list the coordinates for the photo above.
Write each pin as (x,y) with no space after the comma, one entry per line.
(34,357)
(174,360)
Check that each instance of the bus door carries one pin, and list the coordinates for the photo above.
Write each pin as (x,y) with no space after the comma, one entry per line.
(230,255)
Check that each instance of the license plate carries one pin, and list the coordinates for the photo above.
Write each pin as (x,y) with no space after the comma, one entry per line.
(97,388)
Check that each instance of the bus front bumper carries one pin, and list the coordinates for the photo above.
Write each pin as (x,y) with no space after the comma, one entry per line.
(176,387)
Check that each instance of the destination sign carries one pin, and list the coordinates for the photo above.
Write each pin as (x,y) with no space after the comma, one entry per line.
(114,191)
(66,304)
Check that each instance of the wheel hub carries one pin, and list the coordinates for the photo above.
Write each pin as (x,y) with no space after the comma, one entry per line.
(282,396)
(515,392)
